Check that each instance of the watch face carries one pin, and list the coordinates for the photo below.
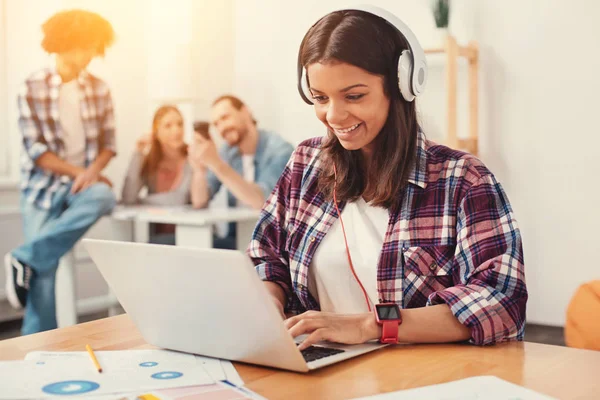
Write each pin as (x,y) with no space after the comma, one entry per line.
(388,312)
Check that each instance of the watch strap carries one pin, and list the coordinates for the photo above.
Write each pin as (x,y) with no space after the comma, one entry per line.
(389,332)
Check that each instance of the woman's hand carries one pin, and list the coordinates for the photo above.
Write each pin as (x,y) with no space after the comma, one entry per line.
(143,143)
(346,329)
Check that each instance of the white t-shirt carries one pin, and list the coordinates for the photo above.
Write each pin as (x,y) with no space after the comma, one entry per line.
(248,167)
(330,280)
(73,134)
(248,173)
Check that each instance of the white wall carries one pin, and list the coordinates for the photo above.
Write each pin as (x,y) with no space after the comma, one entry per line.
(4,163)
(538,119)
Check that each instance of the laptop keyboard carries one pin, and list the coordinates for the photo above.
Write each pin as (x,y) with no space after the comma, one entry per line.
(313,353)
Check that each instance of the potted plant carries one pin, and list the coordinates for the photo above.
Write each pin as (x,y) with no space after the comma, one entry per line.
(441,15)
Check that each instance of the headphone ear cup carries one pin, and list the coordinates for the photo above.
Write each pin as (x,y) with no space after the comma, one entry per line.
(305,91)
(405,66)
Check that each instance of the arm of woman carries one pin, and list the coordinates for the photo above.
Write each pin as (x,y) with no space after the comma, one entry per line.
(435,324)
(490,294)
(487,303)
(199,192)
(267,247)
(133,180)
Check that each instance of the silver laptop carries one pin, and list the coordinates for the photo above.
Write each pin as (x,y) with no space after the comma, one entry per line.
(208,302)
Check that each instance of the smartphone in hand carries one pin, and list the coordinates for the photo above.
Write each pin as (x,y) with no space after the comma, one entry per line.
(201,128)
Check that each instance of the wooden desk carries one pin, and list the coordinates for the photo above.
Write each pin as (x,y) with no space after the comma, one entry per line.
(556,371)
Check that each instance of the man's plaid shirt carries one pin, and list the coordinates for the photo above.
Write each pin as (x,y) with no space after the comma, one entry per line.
(41,131)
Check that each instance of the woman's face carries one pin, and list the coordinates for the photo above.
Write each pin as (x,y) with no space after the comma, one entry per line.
(169,131)
(350,101)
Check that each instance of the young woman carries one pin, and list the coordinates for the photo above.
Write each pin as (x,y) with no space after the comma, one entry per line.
(160,164)
(425,231)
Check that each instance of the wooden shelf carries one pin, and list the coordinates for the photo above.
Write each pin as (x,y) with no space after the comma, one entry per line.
(471,53)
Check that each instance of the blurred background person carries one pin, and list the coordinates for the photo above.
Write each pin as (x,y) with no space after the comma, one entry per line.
(248,164)
(160,166)
(68,138)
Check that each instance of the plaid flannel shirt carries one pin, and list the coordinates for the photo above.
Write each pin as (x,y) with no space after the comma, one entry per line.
(452,238)
(41,131)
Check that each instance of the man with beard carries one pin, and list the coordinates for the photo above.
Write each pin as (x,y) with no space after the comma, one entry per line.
(249,163)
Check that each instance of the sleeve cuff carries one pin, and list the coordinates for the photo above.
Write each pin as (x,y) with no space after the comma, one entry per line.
(109,141)
(112,149)
(473,310)
(36,150)
(266,276)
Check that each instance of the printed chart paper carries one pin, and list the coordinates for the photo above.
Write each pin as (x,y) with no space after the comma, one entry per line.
(476,388)
(46,374)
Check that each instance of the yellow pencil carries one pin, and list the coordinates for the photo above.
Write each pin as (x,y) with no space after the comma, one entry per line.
(93,357)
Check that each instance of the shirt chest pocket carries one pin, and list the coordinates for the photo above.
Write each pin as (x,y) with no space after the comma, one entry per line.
(429,260)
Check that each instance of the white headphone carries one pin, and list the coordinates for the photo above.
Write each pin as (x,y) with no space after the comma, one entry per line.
(412,65)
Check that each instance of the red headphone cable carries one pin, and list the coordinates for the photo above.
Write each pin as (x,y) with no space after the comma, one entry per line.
(346,241)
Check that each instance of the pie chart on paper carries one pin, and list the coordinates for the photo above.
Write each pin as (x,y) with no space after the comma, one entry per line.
(70,387)
(148,364)
(167,375)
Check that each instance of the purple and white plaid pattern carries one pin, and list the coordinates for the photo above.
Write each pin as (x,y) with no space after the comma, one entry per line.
(452,238)
(39,122)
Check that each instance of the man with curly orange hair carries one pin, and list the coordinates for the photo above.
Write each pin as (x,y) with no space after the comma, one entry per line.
(67,125)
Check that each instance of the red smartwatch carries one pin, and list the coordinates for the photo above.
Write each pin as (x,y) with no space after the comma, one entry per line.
(388,316)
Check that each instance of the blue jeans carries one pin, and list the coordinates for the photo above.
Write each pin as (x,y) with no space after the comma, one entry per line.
(49,234)
(227,242)
(162,238)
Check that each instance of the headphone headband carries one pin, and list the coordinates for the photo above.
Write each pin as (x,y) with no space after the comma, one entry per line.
(414,64)
(419,70)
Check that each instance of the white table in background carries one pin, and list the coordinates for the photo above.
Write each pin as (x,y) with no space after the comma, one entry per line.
(193,227)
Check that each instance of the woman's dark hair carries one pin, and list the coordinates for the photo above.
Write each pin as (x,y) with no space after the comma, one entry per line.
(368,42)
(76,29)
